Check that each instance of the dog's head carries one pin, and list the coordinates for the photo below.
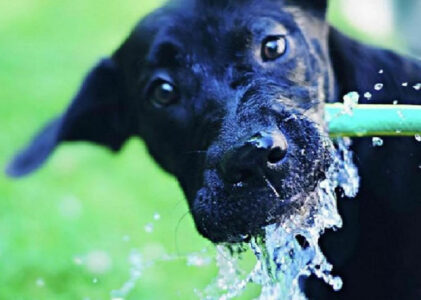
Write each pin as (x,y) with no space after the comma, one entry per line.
(228,96)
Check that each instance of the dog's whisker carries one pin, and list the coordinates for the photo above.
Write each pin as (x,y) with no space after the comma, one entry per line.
(177,227)
(269,184)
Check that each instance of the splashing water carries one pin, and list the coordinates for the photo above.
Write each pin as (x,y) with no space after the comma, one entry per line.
(350,102)
(289,250)
(377,142)
(285,253)
(368,95)
(137,267)
(378,86)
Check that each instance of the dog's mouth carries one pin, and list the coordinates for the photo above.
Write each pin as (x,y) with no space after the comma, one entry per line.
(233,210)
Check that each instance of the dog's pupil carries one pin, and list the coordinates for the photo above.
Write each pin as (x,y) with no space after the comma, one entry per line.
(273,48)
(164,93)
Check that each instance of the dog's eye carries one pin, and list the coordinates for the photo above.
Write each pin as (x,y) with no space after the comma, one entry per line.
(273,47)
(163,93)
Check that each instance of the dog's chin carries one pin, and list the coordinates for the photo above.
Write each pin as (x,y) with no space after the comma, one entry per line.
(234,216)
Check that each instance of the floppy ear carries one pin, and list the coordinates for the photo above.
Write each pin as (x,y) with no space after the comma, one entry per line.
(99,113)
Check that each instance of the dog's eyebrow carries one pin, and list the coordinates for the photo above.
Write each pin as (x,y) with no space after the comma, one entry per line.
(268,26)
(165,54)
(238,40)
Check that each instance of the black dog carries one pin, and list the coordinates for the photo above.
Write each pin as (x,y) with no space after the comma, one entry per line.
(229,96)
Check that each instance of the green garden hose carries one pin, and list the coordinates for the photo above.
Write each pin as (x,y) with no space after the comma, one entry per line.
(373,120)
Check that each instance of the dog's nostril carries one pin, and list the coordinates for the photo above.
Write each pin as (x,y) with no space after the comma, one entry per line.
(252,157)
(276,155)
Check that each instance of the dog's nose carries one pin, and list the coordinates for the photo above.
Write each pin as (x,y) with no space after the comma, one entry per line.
(263,150)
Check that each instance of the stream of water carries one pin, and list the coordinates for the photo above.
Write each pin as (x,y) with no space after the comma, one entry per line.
(289,250)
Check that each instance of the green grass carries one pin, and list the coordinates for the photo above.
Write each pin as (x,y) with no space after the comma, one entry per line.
(85,199)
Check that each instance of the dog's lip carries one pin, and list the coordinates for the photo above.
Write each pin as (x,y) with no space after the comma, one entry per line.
(234,237)
(238,228)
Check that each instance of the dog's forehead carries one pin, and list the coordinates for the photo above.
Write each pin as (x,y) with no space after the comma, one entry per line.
(208,30)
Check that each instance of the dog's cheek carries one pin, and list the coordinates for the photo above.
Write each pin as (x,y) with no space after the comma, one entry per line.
(312,151)
(166,132)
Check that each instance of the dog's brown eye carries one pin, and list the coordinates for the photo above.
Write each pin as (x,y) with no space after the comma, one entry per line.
(163,93)
(273,47)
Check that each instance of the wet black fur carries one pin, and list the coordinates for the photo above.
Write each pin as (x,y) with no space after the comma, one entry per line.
(210,50)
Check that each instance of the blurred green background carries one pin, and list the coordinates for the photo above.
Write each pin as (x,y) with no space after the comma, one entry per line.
(67,231)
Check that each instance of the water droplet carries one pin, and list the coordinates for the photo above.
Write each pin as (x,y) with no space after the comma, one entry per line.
(337,283)
(149,228)
(126,238)
(156,216)
(378,86)
(197,260)
(368,95)
(40,282)
(405,84)
(350,101)
(417,86)
(95,280)
(98,262)
(239,184)
(418,137)
(377,142)
(351,98)
(381,71)
(395,102)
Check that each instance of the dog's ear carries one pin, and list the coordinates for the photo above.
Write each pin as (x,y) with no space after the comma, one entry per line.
(317,7)
(99,113)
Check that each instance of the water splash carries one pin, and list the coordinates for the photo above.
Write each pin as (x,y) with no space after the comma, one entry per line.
(377,141)
(378,86)
(149,228)
(156,216)
(289,250)
(286,252)
(368,95)
(350,102)
(137,267)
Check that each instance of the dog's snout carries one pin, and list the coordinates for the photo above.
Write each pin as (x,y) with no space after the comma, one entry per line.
(261,151)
